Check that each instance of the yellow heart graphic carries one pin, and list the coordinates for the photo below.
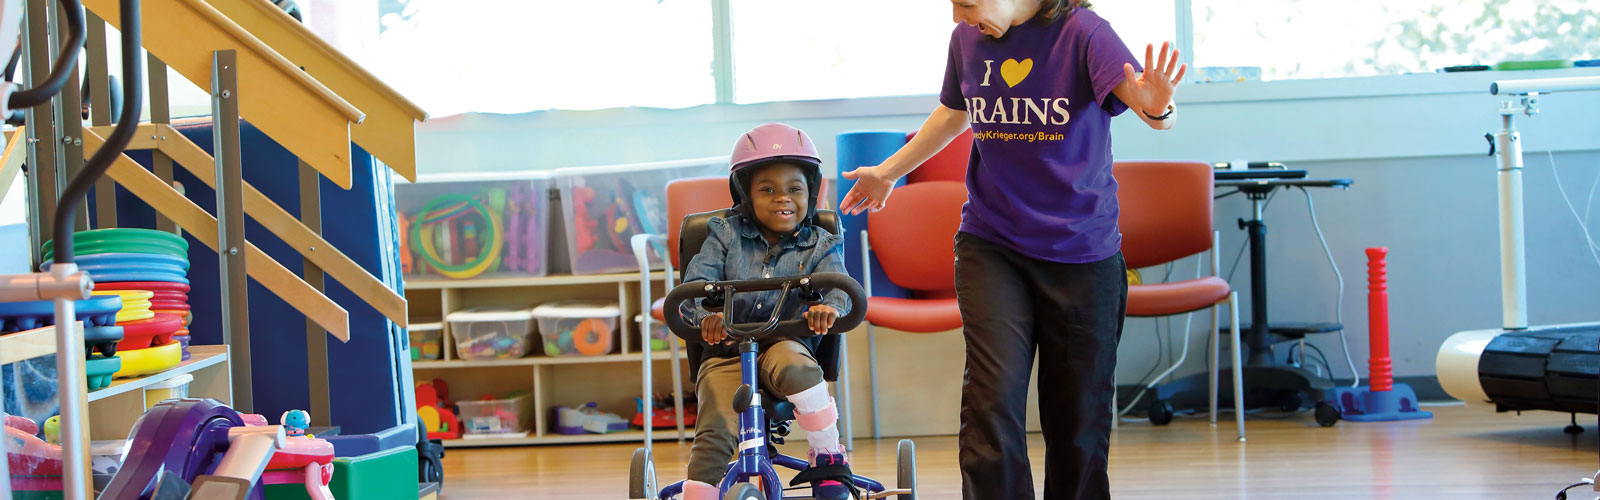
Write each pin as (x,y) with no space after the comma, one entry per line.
(1013,72)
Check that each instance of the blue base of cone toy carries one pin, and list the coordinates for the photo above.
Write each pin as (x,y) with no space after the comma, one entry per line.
(1362,404)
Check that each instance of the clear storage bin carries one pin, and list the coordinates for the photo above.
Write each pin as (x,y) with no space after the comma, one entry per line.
(464,226)
(427,341)
(577,328)
(491,332)
(603,207)
(496,416)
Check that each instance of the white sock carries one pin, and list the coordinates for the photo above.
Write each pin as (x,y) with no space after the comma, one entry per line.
(811,400)
(825,441)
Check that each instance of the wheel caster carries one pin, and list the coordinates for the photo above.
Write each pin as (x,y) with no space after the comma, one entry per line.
(1327,415)
(1159,412)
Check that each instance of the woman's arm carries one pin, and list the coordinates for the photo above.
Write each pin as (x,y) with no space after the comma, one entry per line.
(873,183)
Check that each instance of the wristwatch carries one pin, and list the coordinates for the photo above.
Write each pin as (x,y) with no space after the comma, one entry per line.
(1168,114)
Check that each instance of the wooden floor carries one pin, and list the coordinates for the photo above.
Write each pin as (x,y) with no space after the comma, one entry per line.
(1463,453)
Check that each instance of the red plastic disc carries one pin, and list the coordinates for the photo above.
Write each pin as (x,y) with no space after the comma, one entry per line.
(155,331)
(144,285)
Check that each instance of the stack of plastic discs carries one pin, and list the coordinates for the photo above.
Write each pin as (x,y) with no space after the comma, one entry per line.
(143,268)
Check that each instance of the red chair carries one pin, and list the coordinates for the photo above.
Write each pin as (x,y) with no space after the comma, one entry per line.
(949,164)
(914,239)
(684,197)
(1166,216)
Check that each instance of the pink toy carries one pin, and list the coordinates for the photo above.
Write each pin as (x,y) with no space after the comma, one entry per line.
(22,423)
(35,465)
(303,460)
(253,419)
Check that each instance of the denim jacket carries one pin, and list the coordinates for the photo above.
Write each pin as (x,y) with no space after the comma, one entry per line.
(735,250)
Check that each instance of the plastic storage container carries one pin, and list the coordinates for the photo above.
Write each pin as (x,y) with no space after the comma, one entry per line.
(491,332)
(574,328)
(427,341)
(496,416)
(463,226)
(603,207)
(176,387)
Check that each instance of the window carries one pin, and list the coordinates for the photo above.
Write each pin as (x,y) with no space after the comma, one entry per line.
(1140,23)
(830,49)
(510,56)
(1322,39)
(825,49)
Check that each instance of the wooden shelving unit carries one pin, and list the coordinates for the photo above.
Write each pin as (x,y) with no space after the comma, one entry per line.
(611,380)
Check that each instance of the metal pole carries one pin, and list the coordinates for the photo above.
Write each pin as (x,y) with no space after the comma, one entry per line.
(159,114)
(69,117)
(100,106)
(42,133)
(75,472)
(230,224)
(1513,264)
(316,337)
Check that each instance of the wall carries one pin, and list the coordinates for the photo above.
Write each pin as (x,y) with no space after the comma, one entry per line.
(1413,144)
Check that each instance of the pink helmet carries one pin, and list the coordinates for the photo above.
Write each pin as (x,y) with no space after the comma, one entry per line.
(768,144)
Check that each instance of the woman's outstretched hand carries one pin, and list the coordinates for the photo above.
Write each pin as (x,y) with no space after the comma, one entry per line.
(870,192)
(1157,84)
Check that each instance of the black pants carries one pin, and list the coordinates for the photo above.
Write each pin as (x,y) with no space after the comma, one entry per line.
(1012,305)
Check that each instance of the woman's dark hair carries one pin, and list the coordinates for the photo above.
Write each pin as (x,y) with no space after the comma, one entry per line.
(1051,10)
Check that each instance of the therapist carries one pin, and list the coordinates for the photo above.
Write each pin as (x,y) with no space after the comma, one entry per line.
(1039,256)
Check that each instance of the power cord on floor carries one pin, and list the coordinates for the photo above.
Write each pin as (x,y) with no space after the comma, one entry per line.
(1344,342)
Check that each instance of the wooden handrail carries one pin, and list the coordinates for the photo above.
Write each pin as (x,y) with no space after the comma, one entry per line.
(260,266)
(389,130)
(286,227)
(284,102)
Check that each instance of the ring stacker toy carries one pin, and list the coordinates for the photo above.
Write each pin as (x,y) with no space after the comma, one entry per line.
(436,214)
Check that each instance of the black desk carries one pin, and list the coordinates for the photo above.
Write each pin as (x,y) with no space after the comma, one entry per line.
(1267,381)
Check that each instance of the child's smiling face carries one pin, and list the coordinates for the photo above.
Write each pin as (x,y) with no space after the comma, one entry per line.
(779,194)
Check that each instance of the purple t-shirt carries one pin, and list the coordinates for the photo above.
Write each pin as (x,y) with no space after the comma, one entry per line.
(1039,181)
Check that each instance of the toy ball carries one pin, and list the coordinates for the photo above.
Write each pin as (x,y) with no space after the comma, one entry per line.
(52,430)
(550,347)
(295,422)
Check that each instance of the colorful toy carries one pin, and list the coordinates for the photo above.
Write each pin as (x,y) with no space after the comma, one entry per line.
(405,242)
(436,214)
(522,229)
(100,370)
(295,422)
(664,413)
(574,328)
(123,240)
(141,362)
(35,464)
(1383,400)
(592,337)
(438,420)
(490,415)
(52,430)
(587,419)
(102,339)
(22,316)
(584,225)
(145,333)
